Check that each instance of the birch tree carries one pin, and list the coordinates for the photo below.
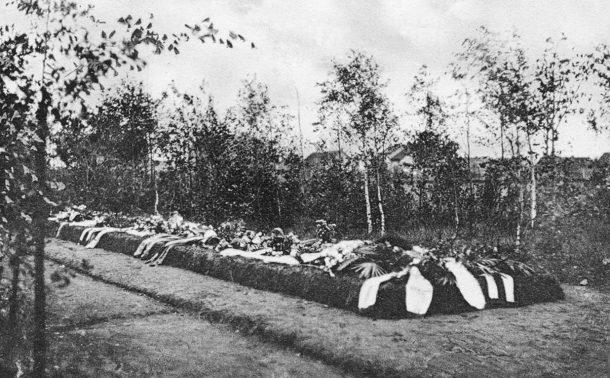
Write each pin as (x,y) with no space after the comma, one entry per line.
(424,105)
(354,96)
(500,69)
(558,80)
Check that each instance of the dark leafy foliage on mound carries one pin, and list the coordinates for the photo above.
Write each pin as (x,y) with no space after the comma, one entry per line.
(316,285)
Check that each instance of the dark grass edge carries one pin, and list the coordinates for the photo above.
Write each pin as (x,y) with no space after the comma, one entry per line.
(313,284)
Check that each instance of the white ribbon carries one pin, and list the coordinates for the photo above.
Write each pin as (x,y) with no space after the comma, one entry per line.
(61,226)
(258,255)
(466,283)
(368,291)
(148,243)
(89,233)
(418,292)
(492,288)
(93,243)
(174,243)
(509,287)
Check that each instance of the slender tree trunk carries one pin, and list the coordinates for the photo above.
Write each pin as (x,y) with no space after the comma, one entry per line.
(533,212)
(299,123)
(422,188)
(13,326)
(279,205)
(533,200)
(533,189)
(380,201)
(470,210)
(301,172)
(456,214)
(456,210)
(150,155)
(502,138)
(367,200)
(156,188)
(15,264)
(339,143)
(153,173)
(39,220)
(521,209)
(369,220)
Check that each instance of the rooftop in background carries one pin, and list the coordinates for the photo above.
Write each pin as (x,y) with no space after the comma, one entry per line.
(605,158)
(319,156)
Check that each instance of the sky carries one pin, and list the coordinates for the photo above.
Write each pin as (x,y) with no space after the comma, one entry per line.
(296,41)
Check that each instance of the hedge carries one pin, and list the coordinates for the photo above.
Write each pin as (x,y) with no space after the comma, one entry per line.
(316,285)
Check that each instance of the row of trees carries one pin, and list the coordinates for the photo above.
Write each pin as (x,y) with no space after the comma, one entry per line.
(244,163)
(518,98)
(135,154)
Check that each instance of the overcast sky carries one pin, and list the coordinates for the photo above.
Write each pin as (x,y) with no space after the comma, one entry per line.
(296,41)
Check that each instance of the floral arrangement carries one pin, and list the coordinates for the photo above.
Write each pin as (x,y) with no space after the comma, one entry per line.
(478,258)
(325,231)
(365,258)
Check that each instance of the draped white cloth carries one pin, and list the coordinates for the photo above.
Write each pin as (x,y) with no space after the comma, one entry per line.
(509,287)
(369,289)
(466,283)
(418,292)
(258,255)
(492,288)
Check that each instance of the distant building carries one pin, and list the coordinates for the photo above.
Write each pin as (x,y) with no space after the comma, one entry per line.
(571,168)
(578,168)
(478,167)
(316,159)
(398,158)
(604,160)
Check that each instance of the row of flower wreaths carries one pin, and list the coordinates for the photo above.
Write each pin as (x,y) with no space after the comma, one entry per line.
(376,262)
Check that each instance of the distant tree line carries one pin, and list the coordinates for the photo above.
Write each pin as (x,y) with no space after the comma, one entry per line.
(134,154)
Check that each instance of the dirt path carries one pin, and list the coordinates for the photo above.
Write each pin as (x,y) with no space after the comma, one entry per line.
(100,330)
(567,338)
